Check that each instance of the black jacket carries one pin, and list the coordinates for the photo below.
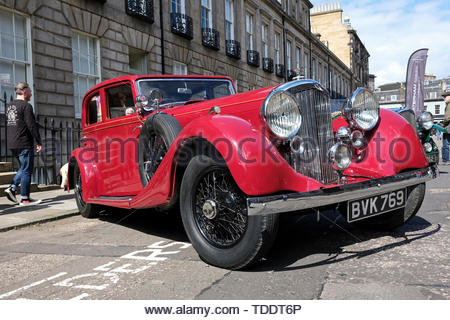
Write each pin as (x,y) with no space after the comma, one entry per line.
(21,125)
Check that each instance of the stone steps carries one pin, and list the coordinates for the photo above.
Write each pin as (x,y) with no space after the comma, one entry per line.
(6,176)
(34,187)
(5,166)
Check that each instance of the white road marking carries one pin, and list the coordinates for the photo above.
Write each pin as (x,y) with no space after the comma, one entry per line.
(104,267)
(34,284)
(80,297)
(69,282)
(157,245)
(154,253)
(153,256)
(441,190)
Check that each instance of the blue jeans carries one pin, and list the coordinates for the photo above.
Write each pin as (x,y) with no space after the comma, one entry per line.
(445,147)
(23,176)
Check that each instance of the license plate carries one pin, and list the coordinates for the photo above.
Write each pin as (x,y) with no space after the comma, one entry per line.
(375,205)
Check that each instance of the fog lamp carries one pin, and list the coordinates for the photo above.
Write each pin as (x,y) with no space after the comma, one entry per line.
(297,145)
(343,134)
(340,156)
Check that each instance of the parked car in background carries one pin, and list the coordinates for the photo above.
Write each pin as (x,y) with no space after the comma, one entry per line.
(232,163)
(426,129)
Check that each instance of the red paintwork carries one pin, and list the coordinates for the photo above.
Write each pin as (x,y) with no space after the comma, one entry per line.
(254,162)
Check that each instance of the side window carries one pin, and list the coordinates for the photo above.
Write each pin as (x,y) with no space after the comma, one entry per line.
(94,109)
(119,101)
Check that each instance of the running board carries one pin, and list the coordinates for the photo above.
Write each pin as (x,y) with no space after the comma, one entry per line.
(120,202)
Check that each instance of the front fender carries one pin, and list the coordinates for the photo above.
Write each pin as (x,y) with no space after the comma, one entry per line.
(88,171)
(393,147)
(254,162)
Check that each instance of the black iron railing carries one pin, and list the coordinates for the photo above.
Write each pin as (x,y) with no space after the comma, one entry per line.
(268,64)
(142,9)
(233,49)
(181,25)
(59,138)
(210,38)
(279,70)
(253,58)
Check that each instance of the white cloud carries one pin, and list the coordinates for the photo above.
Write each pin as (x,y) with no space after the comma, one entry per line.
(392,30)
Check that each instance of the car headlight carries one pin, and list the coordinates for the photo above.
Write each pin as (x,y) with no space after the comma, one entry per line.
(362,110)
(282,114)
(428,147)
(426,120)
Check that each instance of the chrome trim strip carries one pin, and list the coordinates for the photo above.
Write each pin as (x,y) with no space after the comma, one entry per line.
(306,200)
(112,198)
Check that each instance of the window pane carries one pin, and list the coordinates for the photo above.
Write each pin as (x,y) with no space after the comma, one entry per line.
(7,35)
(20,74)
(91,82)
(204,18)
(20,30)
(91,50)
(84,67)
(77,99)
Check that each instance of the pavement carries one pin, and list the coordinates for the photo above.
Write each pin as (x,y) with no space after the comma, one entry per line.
(56,204)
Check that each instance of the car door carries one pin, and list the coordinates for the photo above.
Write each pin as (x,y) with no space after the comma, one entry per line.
(118,142)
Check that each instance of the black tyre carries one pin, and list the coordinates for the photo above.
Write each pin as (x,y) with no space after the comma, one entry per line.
(214,214)
(396,218)
(157,134)
(87,210)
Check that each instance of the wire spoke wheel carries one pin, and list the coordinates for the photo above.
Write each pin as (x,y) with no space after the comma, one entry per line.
(79,190)
(155,150)
(219,209)
(215,217)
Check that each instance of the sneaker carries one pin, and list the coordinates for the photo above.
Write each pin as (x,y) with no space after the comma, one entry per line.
(11,194)
(29,202)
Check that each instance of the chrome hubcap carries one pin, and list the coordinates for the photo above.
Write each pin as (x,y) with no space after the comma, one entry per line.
(209,209)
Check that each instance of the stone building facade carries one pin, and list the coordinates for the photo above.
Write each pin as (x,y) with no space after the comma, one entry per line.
(343,40)
(63,47)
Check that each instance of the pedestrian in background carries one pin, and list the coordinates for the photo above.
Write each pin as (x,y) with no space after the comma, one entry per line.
(446,124)
(22,132)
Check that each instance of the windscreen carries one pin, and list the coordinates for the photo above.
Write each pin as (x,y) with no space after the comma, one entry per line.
(178,91)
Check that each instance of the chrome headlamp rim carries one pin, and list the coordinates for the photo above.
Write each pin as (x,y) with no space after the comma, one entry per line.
(264,108)
(348,110)
(285,87)
(424,123)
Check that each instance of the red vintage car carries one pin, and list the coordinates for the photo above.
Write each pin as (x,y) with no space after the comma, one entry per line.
(233,162)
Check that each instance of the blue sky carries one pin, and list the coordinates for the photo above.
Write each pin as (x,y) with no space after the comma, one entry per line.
(392,29)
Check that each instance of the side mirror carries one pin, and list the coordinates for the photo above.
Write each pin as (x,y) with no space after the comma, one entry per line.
(141,104)
(156,96)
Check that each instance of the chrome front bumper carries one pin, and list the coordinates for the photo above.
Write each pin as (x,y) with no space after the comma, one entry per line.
(324,197)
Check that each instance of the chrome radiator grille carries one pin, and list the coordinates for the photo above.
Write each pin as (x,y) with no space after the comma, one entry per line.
(317,133)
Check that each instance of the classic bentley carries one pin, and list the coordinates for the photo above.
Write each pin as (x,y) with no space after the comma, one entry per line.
(232,163)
